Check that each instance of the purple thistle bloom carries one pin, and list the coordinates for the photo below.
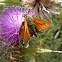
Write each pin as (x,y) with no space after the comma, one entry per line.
(10,23)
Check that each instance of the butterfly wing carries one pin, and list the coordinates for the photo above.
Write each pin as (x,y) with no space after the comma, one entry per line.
(27,33)
(24,32)
(21,32)
(41,25)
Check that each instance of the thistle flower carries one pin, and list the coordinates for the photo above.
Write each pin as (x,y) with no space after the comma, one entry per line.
(10,23)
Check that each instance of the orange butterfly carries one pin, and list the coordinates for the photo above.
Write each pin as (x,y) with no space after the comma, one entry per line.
(31,26)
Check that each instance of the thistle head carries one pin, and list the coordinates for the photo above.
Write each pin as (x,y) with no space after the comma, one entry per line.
(10,23)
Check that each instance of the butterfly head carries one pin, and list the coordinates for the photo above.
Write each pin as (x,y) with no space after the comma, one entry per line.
(26,16)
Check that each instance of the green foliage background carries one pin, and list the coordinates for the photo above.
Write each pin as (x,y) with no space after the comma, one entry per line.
(48,39)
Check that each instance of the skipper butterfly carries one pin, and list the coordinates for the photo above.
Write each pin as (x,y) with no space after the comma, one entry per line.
(31,26)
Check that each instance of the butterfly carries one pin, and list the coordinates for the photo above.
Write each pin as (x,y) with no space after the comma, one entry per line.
(31,26)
